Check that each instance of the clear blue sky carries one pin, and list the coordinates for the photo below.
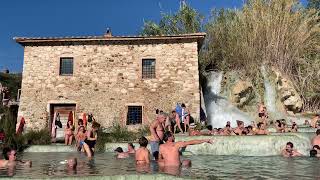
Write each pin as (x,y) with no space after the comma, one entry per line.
(44,18)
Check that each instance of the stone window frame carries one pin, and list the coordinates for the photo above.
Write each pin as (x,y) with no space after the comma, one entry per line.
(155,68)
(127,110)
(73,65)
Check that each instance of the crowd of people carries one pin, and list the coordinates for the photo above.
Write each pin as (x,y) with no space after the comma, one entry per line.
(163,148)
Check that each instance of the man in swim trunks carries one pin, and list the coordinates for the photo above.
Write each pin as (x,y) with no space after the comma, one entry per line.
(142,154)
(169,151)
(157,130)
(288,151)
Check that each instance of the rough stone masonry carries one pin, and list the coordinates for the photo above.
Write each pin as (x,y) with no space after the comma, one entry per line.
(107,76)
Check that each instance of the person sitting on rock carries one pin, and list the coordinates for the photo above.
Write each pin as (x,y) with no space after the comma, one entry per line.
(192,131)
(239,129)
(279,127)
(261,129)
(250,131)
(69,133)
(227,131)
(294,127)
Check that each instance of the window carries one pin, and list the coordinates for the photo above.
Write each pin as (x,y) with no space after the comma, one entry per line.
(148,68)
(66,66)
(134,115)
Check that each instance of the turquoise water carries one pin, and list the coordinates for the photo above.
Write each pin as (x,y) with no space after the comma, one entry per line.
(48,165)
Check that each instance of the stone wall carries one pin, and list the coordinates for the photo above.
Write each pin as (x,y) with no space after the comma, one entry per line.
(107,78)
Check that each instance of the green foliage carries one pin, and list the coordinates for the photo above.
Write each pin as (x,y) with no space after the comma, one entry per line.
(314,4)
(41,137)
(20,142)
(12,81)
(118,133)
(186,20)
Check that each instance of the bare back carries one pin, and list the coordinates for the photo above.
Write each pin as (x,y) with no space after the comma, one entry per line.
(169,152)
(142,156)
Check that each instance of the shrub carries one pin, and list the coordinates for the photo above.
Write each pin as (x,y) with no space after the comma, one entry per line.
(118,133)
(41,137)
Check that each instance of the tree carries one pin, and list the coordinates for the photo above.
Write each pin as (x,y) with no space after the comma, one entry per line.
(313,4)
(186,20)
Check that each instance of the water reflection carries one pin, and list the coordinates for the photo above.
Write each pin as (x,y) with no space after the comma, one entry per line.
(204,167)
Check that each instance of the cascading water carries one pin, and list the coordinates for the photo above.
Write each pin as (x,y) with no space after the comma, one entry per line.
(265,145)
(270,96)
(218,109)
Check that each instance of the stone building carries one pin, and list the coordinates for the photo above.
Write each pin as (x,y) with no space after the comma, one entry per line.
(116,78)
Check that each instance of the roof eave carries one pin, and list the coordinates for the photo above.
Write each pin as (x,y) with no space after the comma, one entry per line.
(23,40)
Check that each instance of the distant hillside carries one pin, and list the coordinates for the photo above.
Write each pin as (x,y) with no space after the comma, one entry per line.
(12,81)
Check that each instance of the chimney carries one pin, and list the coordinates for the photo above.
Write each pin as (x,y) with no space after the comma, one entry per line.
(108,33)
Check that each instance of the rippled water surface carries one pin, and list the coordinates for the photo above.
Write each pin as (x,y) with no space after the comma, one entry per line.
(46,165)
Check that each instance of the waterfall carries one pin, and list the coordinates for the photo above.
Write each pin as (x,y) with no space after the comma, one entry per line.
(270,96)
(218,109)
(264,145)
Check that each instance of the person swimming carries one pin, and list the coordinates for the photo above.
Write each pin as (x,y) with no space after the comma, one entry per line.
(120,154)
(131,149)
(10,159)
(313,153)
(288,151)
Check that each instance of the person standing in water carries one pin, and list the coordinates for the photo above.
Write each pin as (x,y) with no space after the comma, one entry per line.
(142,154)
(169,155)
(157,131)
(91,139)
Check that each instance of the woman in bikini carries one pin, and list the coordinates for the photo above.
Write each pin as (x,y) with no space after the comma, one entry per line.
(69,133)
(142,154)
